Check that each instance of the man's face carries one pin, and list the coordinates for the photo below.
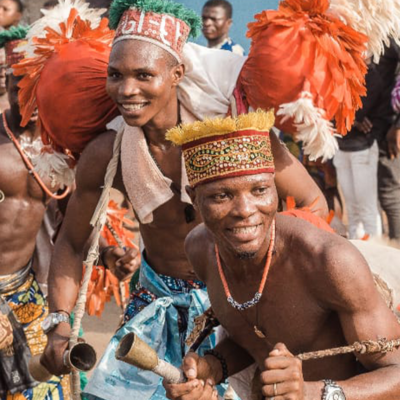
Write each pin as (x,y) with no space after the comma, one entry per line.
(3,69)
(215,23)
(239,211)
(9,14)
(142,80)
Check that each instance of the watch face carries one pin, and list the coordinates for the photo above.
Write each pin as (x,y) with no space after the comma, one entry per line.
(335,394)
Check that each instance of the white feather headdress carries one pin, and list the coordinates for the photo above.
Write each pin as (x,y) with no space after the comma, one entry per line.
(378,19)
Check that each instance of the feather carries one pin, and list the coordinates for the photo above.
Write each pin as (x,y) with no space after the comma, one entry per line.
(58,15)
(378,19)
(54,164)
(313,129)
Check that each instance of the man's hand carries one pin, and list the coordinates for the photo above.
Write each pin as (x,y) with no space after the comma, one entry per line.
(194,367)
(365,126)
(283,376)
(57,343)
(122,263)
(393,139)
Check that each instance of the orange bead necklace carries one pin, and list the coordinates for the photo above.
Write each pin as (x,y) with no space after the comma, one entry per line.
(258,295)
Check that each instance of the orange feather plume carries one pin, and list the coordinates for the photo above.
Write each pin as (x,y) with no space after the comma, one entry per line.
(303,48)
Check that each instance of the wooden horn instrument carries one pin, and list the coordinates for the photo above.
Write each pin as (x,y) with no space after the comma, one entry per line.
(134,351)
(80,357)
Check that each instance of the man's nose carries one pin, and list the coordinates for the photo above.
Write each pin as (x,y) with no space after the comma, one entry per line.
(128,88)
(243,206)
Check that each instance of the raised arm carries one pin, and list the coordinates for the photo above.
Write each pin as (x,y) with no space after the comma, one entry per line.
(66,265)
(292,179)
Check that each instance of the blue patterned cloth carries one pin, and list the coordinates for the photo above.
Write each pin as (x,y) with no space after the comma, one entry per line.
(163,316)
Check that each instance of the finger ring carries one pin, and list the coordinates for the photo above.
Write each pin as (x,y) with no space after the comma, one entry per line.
(275,389)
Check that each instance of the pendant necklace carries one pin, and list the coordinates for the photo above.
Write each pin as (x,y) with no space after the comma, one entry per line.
(257,297)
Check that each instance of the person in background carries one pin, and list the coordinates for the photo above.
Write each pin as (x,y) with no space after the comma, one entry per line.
(356,161)
(10,13)
(389,145)
(217,20)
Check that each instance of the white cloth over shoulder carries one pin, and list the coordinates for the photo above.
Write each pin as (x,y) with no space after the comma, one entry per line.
(146,186)
(210,79)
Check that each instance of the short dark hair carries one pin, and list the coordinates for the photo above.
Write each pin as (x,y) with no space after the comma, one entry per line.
(20,5)
(221,3)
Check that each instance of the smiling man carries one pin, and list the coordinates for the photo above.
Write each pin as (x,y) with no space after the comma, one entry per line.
(145,71)
(278,285)
(217,21)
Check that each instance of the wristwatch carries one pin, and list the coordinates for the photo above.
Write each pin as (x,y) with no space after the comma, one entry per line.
(52,320)
(332,391)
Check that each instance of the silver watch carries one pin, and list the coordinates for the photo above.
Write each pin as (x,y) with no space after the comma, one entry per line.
(52,320)
(332,391)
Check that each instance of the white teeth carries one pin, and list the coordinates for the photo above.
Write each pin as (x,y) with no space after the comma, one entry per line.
(133,107)
(245,230)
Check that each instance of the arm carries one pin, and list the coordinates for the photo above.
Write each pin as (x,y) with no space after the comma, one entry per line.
(66,266)
(345,286)
(364,315)
(292,179)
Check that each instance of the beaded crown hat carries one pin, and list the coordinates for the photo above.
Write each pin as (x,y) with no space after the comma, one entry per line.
(222,148)
(10,40)
(164,23)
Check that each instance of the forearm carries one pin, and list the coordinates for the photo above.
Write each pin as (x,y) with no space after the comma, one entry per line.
(381,384)
(64,278)
(237,359)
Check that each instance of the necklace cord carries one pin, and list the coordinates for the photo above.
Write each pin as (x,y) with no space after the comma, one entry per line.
(29,165)
(258,295)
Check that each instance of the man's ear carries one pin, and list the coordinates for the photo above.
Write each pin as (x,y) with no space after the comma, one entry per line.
(192,194)
(178,73)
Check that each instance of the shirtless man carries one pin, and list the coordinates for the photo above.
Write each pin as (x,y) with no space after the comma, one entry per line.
(142,80)
(22,206)
(319,292)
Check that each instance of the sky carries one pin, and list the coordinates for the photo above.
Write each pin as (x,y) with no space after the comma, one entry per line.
(243,13)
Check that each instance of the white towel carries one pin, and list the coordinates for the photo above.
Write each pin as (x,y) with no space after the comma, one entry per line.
(146,186)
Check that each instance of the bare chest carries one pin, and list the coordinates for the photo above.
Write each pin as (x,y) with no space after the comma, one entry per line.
(285,314)
(15,179)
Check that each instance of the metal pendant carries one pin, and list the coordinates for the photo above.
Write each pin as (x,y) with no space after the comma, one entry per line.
(2,196)
(259,333)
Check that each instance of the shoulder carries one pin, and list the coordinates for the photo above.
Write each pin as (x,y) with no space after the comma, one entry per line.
(199,247)
(331,267)
(94,160)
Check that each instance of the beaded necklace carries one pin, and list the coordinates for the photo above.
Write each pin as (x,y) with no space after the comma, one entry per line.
(29,165)
(257,296)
